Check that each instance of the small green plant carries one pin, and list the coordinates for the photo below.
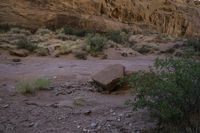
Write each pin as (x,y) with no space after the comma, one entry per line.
(26,44)
(95,43)
(25,87)
(171,91)
(29,87)
(117,36)
(41,84)
(75,31)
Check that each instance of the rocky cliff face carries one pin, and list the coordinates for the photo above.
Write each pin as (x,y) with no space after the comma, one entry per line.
(177,17)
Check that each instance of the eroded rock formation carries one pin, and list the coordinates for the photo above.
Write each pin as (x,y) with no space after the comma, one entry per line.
(177,17)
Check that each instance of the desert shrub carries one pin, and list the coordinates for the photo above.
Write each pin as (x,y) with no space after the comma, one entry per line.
(117,36)
(29,87)
(144,49)
(95,43)
(26,44)
(79,54)
(193,47)
(63,50)
(25,87)
(41,84)
(75,31)
(42,51)
(171,91)
(43,31)
(4,28)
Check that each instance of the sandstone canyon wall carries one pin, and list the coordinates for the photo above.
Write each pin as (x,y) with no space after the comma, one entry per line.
(176,17)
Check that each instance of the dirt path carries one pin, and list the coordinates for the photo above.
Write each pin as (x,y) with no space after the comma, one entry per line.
(73,105)
(70,70)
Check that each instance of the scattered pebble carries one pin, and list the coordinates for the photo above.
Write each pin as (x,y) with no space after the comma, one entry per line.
(88,112)
(5,106)
(118,119)
(85,130)
(94,125)
(60,93)
(78,126)
(16,60)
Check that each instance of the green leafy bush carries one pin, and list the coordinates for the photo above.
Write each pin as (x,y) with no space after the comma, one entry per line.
(192,47)
(171,90)
(26,44)
(117,36)
(95,43)
(75,31)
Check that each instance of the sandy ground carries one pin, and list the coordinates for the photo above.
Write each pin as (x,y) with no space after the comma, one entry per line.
(73,105)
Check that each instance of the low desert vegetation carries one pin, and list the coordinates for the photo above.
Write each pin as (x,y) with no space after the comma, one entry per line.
(4,28)
(80,54)
(193,47)
(95,43)
(42,84)
(26,44)
(117,36)
(42,51)
(75,31)
(29,87)
(25,87)
(171,91)
(64,50)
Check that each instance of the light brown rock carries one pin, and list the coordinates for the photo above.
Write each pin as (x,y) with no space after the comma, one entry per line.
(19,52)
(108,77)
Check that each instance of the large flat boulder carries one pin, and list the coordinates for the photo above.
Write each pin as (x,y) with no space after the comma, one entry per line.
(108,77)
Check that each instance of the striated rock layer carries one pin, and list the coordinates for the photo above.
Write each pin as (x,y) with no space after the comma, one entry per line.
(176,17)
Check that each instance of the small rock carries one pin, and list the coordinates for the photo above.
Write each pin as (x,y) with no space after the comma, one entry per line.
(114,114)
(16,60)
(78,126)
(19,52)
(60,93)
(4,84)
(118,119)
(85,130)
(124,54)
(5,106)
(88,112)
(111,110)
(69,92)
(30,124)
(120,115)
(94,125)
